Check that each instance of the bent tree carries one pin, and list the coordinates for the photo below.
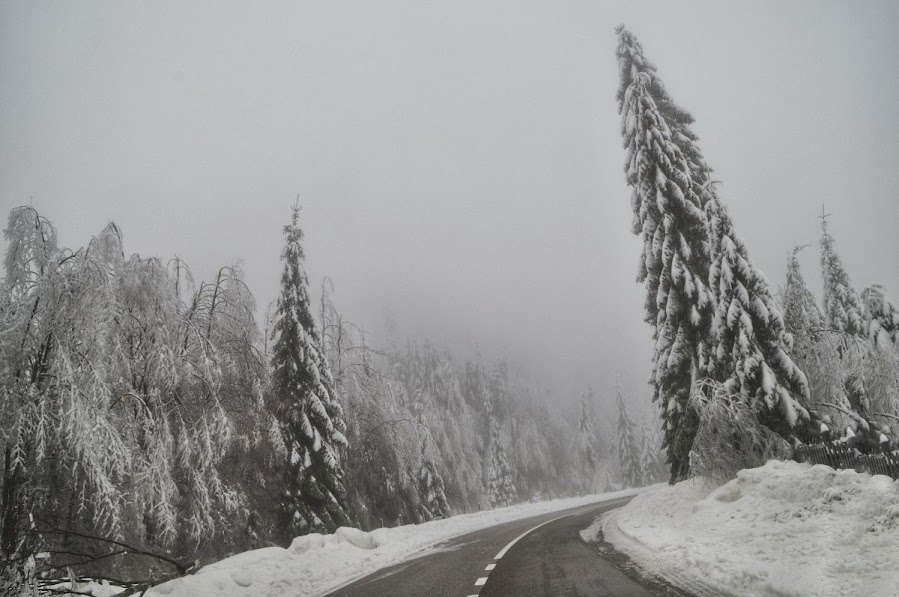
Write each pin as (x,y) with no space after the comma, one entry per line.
(667,175)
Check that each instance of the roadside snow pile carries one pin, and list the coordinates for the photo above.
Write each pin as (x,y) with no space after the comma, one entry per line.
(315,564)
(782,529)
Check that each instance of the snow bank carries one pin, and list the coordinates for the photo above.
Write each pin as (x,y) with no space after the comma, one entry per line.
(315,564)
(784,529)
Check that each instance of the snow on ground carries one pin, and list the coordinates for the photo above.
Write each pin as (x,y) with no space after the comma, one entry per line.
(315,564)
(784,529)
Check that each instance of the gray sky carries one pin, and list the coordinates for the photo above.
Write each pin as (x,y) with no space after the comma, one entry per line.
(460,160)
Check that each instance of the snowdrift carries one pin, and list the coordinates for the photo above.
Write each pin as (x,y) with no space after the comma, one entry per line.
(784,529)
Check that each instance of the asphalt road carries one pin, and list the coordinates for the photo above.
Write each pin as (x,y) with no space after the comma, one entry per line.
(549,560)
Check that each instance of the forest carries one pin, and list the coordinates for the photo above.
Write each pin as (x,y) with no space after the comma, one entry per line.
(149,421)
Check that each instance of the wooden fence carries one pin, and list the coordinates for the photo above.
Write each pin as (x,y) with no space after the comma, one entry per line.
(840,455)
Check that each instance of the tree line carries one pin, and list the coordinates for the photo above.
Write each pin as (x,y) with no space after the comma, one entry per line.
(149,423)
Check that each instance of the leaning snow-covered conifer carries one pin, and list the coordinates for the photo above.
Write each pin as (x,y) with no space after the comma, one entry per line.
(667,174)
(843,309)
(750,347)
(628,454)
(881,317)
(310,416)
(500,488)
(801,314)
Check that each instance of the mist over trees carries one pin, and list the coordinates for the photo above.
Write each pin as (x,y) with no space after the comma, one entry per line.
(148,422)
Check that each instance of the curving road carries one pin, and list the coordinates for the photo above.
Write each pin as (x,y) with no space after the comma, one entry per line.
(538,556)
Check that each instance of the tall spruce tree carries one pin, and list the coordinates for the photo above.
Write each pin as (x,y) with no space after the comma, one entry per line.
(750,355)
(668,177)
(881,317)
(628,453)
(801,313)
(310,416)
(843,309)
(584,459)
(844,313)
(648,454)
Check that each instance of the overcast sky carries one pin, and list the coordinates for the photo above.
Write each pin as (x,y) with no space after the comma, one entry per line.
(460,161)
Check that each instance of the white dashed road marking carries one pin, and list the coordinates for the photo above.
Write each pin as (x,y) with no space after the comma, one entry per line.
(483,580)
(529,531)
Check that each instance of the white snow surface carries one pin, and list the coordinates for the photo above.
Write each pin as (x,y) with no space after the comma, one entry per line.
(316,564)
(784,529)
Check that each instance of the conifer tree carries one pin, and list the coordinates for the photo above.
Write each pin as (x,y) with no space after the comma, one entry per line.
(586,433)
(500,489)
(431,492)
(628,455)
(844,313)
(584,458)
(668,176)
(843,310)
(801,313)
(310,416)
(750,345)
(648,454)
(881,317)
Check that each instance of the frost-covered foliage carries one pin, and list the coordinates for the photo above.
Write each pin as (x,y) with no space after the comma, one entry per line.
(730,436)
(539,449)
(668,176)
(843,311)
(831,359)
(801,314)
(122,408)
(845,350)
(750,347)
(500,488)
(881,317)
(310,415)
(881,374)
(628,452)
(384,439)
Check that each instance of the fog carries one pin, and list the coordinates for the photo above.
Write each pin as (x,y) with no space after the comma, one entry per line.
(459,163)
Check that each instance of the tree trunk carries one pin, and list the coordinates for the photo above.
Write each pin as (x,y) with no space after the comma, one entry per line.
(9,506)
